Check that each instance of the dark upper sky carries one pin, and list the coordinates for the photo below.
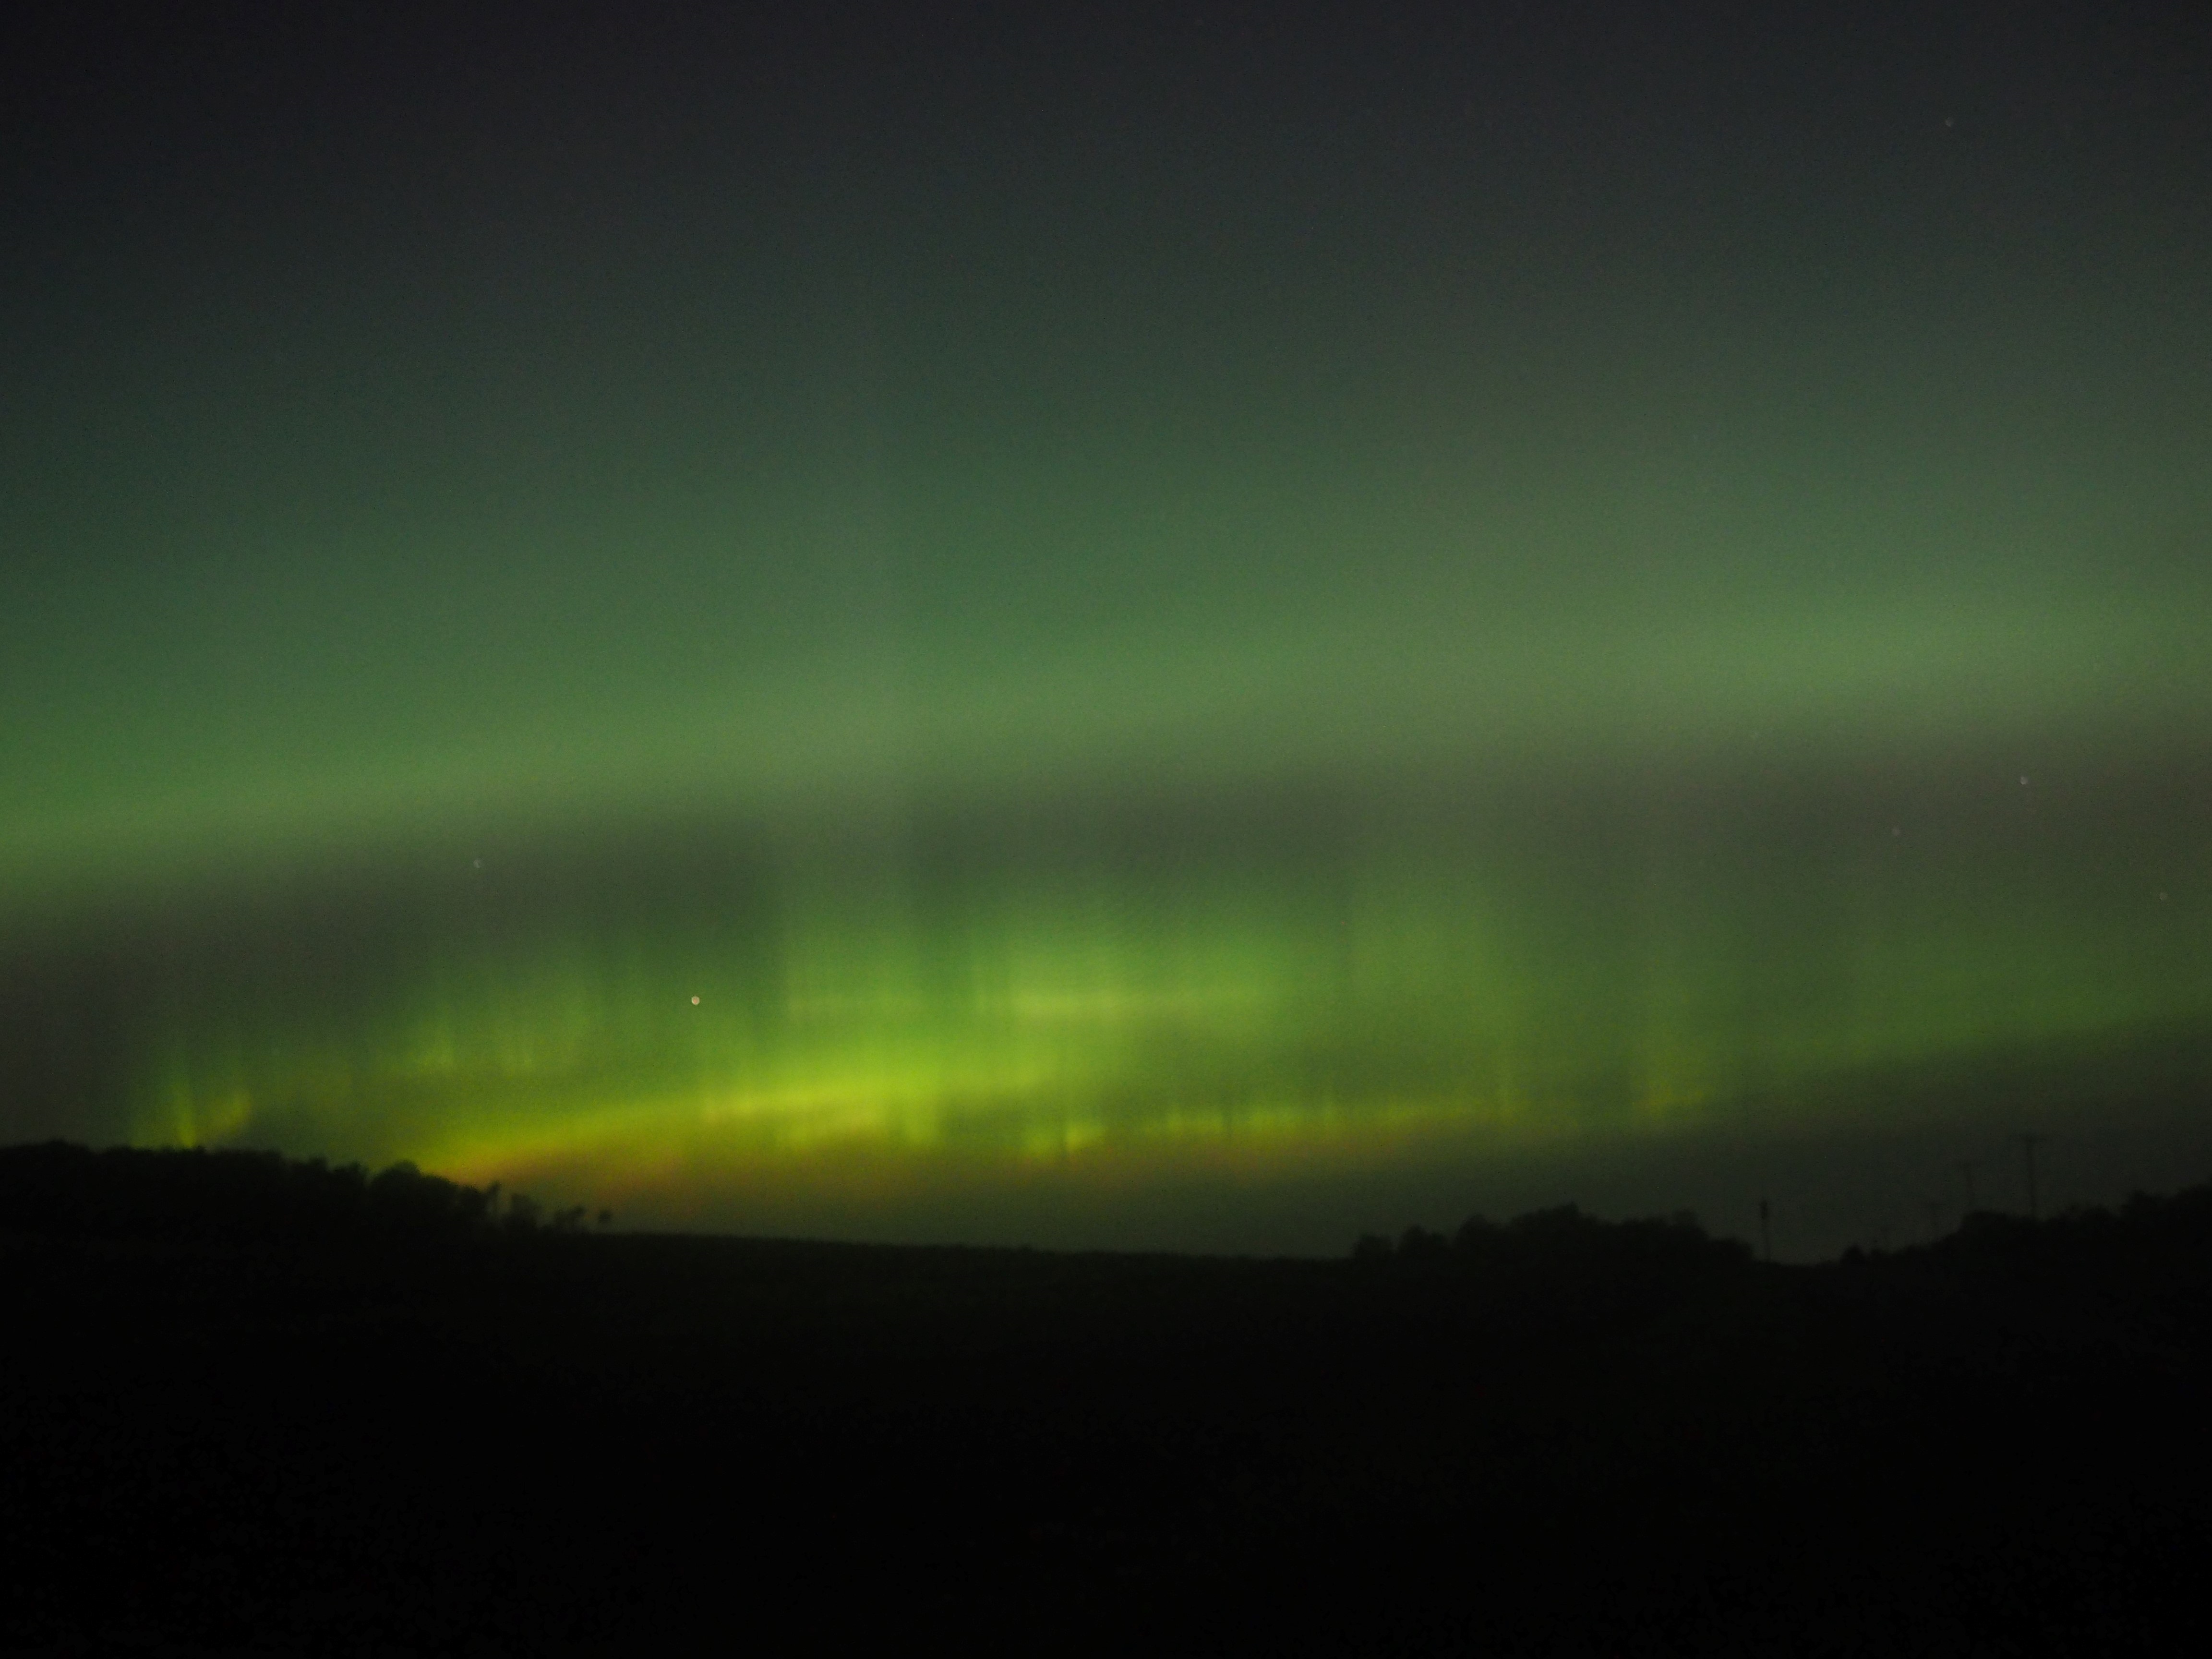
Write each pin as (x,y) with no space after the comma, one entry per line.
(1576,478)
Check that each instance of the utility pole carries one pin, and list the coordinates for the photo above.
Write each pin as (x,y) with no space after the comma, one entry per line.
(2027,1144)
(1766,1230)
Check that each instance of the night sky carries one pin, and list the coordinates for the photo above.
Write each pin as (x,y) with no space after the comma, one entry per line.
(1204,627)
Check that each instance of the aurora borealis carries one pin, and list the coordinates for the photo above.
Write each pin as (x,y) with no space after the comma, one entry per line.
(1151,629)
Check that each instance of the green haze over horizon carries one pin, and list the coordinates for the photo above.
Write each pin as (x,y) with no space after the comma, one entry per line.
(1125,603)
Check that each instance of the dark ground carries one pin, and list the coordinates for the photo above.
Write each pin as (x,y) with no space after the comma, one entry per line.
(369,1418)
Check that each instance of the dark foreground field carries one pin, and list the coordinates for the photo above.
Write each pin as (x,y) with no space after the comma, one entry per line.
(249,1405)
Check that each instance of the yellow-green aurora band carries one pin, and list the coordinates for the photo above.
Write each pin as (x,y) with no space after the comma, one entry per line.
(693,1017)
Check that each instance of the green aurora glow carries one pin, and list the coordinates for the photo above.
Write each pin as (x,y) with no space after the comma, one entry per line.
(1150,649)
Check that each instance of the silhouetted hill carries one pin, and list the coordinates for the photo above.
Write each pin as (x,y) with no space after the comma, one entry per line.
(237,1414)
(237,1197)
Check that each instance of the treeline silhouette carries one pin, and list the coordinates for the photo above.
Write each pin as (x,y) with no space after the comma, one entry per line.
(2089,1248)
(232,1196)
(255,1403)
(1562,1236)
